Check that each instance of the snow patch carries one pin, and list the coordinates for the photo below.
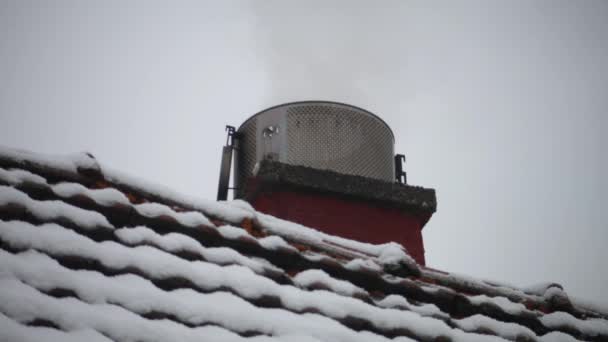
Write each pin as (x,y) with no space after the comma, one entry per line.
(274,242)
(309,278)
(13,331)
(365,265)
(17,176)
(26,304)
(394,301)
(505,304)
(233,233)
(509,331)
(540,288)
(557,336)
(462,280)
(393,254)
(69,163)
(237,203)
(221,210)
(105,197)
(188,219)
(51,210)
(141,296)
(175,242)
(554,292)
(158,264)
(591,326)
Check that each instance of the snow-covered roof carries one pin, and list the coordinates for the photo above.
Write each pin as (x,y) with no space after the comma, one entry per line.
(88,253)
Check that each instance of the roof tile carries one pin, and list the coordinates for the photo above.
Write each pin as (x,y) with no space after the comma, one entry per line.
(90,253)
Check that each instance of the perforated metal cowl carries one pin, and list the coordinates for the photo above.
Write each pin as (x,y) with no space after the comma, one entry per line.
(322,135)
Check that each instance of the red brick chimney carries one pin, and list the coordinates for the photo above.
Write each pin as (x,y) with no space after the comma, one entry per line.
(330,166)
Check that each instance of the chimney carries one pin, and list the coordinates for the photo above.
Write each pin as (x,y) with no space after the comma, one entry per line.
(330,166)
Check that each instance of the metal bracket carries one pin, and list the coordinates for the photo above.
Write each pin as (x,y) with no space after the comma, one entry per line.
(226,164)
(400,174)
(231,135)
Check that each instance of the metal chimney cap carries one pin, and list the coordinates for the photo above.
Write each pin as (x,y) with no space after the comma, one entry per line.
(320,102)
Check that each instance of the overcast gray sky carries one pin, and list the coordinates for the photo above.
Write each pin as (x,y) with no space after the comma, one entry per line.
(499,105)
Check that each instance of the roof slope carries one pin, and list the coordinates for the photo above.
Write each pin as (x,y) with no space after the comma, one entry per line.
(88,253)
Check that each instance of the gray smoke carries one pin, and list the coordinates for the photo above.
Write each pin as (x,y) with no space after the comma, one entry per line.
(348,51)
(500,106)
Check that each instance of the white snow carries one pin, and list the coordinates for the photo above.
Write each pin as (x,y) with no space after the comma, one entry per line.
(390,252)
(50,210)
(507,330)
(13,331)
(538,289)
(139,296)
(591,326)
(233,233)
(554,292)
(394,254)
(17,176)
(274,242)
(175,242)
(366,265)
(68,163)
(25,304)
(239,276)
(504,303)
(462,280)
(234,214)
(430,289)
(188,219)
(105,197)
(394,301)
(557,336)
(54,239)
(308,278)
(237,203)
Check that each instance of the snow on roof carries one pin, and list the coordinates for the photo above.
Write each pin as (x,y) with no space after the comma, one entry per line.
(90,253)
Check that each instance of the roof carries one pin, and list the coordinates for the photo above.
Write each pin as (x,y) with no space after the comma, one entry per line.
(90,253)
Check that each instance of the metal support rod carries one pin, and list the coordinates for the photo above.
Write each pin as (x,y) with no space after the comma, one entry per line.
(226,164)
(230,136)
(400,174)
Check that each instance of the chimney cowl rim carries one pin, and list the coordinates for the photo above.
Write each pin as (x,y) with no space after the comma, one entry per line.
(320,102)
